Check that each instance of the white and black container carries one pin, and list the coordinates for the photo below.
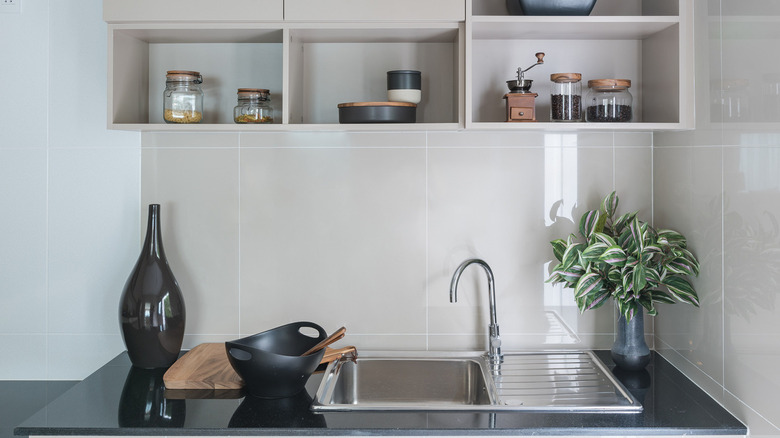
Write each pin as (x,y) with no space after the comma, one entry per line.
(404,86)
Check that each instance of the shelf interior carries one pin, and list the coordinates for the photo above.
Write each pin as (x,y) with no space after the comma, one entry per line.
(329,66)
(654,85)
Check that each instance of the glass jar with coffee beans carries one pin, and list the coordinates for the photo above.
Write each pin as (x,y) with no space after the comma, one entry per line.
(608,100)
(566,97)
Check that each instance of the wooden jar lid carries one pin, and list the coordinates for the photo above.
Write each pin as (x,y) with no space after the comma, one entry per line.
(252,92)
(351,104)
(565,77)
(182,74)
(609,83)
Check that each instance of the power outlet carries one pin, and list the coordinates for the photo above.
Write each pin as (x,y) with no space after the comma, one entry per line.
(10,6)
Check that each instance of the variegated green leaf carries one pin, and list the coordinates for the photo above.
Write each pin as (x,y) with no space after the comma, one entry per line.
(600,223)
(604,238)
(559,247)
(628,280)
(589,222)
(593,252)
(596,299)
(571,255)
(673,237)
(679,265)
(623,221)
(572,274)
(614,276)
(609,204)
(681,289)
(635,227)
(640,279)
(626,241)
(661,297)
(629,310)
(614,255)
(588,282)
(647,303)
(652,276)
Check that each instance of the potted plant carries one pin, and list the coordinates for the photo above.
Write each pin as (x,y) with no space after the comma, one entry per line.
(631,262)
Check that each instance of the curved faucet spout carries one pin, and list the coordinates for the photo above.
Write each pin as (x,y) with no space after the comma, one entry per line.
(494,340)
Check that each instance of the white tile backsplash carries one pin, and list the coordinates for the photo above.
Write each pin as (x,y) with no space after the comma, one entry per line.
(334,236)
(366,229)
(24,356)
(23,241)
(93,231)
(24,49)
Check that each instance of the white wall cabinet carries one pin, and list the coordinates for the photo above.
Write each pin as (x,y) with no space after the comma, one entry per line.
(313,55)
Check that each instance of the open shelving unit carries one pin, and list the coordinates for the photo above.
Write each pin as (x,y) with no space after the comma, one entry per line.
(466,50)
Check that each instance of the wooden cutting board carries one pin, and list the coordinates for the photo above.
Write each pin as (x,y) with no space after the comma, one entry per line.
(207,367)
(204,367)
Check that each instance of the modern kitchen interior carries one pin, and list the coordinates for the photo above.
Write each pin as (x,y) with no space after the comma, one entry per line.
(409,218)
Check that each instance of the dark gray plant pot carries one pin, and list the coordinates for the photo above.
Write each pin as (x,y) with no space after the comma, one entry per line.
(630,351)
(550,7)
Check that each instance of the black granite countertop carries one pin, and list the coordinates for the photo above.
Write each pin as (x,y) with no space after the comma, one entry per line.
(121,400)
(21,398)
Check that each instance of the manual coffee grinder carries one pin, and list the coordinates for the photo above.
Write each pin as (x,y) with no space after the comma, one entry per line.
(520,102)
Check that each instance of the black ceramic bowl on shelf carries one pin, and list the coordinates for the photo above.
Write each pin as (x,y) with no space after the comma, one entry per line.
(550,7)
(271,363)
(377,112)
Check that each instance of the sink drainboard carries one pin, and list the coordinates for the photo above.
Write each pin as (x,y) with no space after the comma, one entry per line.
(559,381)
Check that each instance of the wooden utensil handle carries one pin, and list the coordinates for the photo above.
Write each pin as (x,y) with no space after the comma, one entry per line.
(332,354)
(338,334)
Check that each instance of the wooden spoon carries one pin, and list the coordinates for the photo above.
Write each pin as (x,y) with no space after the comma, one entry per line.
(338,334)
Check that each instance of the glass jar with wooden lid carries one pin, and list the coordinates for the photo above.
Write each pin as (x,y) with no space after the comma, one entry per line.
(183,97)
(608,100)
(566,97)
(254,106)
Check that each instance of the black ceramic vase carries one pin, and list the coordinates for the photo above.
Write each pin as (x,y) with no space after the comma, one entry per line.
(630,351)
(151,311)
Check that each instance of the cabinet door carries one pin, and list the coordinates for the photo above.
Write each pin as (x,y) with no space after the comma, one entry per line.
(375,10)
(115,11)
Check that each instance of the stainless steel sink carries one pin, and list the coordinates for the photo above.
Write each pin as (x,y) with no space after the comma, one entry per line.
(442,381)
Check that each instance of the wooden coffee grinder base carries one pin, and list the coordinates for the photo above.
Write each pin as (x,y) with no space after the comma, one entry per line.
(520,107)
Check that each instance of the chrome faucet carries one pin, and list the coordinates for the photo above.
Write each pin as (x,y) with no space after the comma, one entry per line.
(494,341)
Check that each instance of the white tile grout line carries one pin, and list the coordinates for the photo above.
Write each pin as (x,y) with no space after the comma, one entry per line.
(427,261)
(239,236)
(615,313)
(46,231)
(652,206)
(722,222)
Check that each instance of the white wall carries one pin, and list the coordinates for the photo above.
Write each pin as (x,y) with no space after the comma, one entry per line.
(69,191)
(720,185)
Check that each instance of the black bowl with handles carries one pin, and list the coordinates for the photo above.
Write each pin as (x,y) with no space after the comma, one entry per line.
(271,363)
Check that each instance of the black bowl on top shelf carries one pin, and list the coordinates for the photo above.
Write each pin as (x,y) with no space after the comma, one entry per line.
(550,7)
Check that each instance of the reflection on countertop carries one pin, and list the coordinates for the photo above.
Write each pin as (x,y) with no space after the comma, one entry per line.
(121,400)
